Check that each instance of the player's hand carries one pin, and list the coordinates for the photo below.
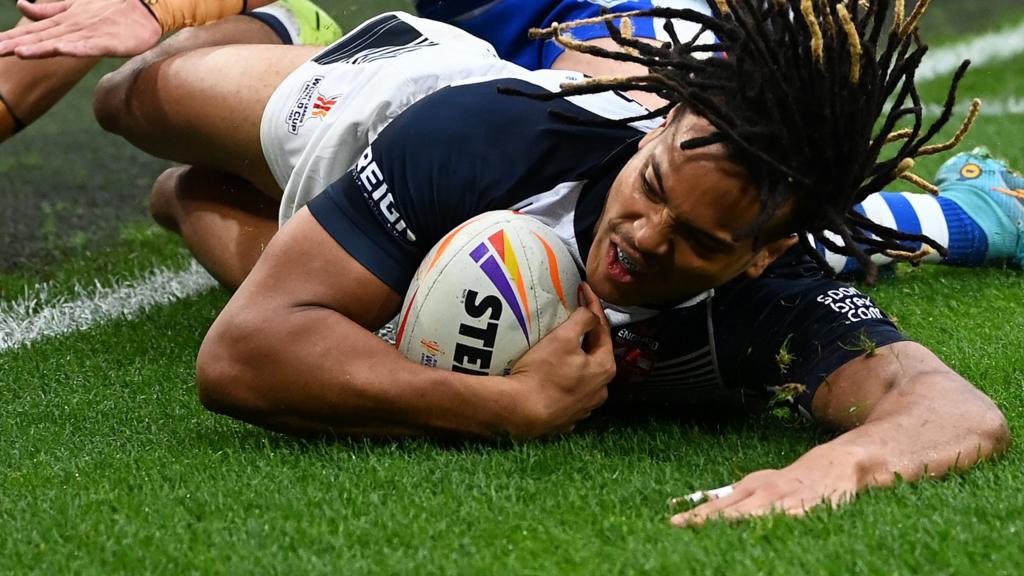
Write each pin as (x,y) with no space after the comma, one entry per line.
(558,382)
(84,28)
(819,477)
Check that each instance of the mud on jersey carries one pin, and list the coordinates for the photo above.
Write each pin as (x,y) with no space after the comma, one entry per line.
(467,149)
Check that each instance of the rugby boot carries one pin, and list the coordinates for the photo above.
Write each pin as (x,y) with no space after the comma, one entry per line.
(992,194)
(299,22)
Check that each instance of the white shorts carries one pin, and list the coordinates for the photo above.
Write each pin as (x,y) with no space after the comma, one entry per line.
(326,112)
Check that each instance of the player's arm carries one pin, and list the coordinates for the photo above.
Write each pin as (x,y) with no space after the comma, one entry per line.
(293,351)
(88,28)
(906,415)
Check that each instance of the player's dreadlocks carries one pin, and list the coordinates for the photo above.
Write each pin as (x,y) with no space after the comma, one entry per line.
(796,100)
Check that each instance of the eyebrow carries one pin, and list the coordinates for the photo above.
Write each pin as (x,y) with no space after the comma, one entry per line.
(704,235)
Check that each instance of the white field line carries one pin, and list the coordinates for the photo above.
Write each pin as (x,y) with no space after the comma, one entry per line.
(1012,106)
(981,50)
(32,318)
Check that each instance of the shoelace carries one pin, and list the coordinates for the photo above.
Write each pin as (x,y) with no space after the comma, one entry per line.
(1018,194)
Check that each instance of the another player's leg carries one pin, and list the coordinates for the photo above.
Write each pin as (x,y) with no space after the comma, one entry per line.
(28,88)
(224,220)
(978,215)
(130,100)
(202,107)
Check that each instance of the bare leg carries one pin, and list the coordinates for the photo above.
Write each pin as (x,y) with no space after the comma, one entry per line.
(208,112)
(225,222)
(202,107)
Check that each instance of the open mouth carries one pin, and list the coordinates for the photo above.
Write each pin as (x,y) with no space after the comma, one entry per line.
(622,267)
(626,261)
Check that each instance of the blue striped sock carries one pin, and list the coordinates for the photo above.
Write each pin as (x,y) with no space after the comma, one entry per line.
(968,244)
(939,218)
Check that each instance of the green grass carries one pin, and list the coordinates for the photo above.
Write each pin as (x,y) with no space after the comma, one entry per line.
(111,466)
(108,464)
(139,248)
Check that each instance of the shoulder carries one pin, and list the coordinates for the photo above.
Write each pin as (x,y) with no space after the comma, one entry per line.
(473,147)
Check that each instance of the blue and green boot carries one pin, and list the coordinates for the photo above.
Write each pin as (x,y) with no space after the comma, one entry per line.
(992,194)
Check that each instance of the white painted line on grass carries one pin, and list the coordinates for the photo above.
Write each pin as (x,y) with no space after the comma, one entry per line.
(1012,106)
(981,50)
(30,319)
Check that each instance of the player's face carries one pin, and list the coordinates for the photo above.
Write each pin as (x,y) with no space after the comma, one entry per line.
(670,225)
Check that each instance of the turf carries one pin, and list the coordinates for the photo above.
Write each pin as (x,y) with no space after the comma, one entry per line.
(110,465)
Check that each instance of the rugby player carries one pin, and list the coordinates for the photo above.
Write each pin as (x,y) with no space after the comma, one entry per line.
(977,221)
(688,246)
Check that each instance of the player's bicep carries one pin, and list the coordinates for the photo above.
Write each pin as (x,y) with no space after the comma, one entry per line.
(305,266)
(850,394)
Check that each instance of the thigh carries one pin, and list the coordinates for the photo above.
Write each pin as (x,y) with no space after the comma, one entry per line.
(204,107)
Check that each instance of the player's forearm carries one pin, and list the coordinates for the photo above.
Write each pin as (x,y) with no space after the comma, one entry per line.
(317,372)
(925,425)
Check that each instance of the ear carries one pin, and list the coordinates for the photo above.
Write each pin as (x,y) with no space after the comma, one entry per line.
(768,254)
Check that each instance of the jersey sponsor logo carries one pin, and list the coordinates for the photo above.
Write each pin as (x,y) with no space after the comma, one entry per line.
(382,202)
(309,103)
(851,303)
(387,36)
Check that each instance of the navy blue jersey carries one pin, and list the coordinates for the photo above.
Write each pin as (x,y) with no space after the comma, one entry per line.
(467,149)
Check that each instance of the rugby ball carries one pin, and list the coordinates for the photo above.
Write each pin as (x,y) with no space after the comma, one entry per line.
(486,293)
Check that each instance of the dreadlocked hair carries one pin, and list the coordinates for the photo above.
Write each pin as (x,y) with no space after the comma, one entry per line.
(806,97)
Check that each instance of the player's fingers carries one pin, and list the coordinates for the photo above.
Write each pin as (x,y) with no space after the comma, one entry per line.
(580,322)
(23,35)
(768,502)
(42,11)
(599,340)
(42,49)
(711,509)
(54,42)
(71,47)
(43,31)
(590,299)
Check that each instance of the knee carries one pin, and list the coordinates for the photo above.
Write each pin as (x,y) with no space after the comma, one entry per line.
(164,200)
(112,98)
(109,100)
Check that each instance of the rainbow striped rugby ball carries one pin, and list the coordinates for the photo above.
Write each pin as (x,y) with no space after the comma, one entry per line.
(486,293)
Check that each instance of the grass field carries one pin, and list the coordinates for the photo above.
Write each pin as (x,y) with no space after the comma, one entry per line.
(108,464)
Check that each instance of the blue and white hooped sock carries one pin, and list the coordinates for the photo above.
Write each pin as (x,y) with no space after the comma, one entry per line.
(939,218)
